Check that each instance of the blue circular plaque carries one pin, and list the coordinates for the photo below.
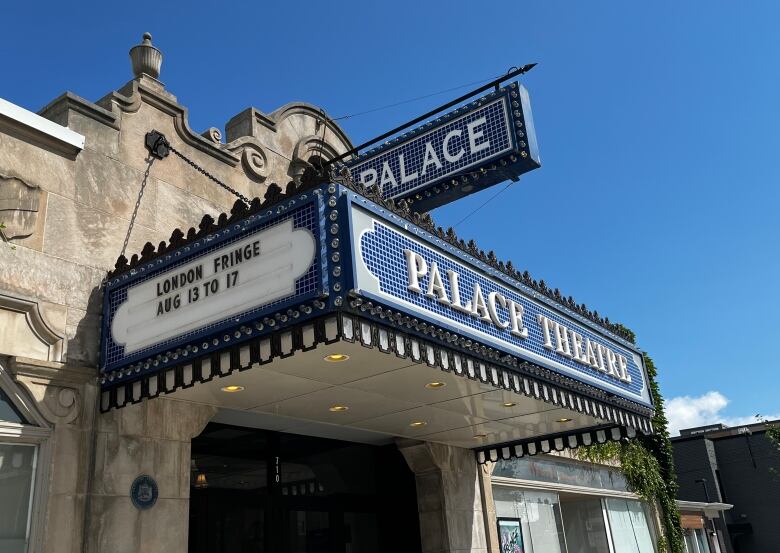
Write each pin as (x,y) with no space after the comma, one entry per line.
(143,492)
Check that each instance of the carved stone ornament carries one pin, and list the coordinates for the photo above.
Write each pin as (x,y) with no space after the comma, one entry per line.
(213,134)
(19,204)
(59,403)
(255,162)
(57,395)
(145,58)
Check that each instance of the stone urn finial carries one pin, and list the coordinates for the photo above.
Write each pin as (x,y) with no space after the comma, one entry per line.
(146,58)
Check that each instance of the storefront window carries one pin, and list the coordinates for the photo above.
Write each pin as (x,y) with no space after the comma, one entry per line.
(17,467)
(690,546)
(583,520)
(696,541)
(630,529)
(585,515)
(539,514)
(701,540)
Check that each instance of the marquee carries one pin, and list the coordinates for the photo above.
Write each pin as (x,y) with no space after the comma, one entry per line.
(418,273)
(259,283)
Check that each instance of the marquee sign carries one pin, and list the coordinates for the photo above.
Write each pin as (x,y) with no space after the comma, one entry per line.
(475,146)
(403,267)
(260,285)
(193,298)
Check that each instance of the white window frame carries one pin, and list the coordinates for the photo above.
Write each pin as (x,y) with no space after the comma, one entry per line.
(555,487)
(38,434)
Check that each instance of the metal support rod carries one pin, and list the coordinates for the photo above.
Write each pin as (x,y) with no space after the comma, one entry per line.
(493,83)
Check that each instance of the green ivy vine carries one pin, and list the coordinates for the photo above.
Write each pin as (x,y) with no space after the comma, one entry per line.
(773,435)
(2,226)
(648,465)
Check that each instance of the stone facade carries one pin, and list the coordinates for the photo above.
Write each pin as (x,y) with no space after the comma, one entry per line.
(450,498)
(149,438)
(66,211)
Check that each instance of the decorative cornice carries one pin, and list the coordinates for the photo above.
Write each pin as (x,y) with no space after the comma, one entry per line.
(242,123)
(41,329)
(71,102)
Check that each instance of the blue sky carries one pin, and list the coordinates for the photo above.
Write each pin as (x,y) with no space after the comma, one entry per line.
(657,123)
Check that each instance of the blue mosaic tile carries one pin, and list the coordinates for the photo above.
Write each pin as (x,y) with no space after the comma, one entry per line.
(497,130)
(382,251)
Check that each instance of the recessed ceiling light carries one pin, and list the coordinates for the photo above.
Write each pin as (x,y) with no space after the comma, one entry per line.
(480,436)
(336,357)
(417,424)
(233,388)
(433,385)
(508,404)
(338,408)
(564,420)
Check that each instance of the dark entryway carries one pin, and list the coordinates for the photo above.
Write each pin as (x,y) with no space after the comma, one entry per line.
(257,491)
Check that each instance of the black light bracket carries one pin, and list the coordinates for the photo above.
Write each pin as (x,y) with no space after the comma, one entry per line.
(157,144)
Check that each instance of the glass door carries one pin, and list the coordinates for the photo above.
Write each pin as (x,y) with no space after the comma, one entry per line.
(309,531)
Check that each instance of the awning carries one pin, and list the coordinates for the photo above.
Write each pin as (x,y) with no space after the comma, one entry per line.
(328,269)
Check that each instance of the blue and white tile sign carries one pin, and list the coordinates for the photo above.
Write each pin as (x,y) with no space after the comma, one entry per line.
(475,146)
(193,298)
(407,271)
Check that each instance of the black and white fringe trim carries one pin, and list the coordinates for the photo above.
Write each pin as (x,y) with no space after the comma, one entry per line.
(257,351)
(546,444)
(618,423)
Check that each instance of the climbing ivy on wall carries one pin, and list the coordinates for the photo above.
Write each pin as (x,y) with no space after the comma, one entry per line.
(773,435)
(648,465)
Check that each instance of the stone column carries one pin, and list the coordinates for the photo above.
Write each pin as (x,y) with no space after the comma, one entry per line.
(449,498)
(152,438)
(489,506)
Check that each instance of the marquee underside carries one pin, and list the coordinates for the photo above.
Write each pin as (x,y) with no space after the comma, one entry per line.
(386,386)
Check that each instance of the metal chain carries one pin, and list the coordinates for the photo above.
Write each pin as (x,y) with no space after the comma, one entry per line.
(209,176)
(137,204)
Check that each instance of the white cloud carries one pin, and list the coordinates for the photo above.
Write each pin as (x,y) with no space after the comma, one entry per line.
(689,412)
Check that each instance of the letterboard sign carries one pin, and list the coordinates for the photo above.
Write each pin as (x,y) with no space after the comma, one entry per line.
(200,295)
(468,149)
(405,268)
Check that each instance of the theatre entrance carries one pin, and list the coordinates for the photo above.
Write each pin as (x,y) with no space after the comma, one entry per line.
(257,491)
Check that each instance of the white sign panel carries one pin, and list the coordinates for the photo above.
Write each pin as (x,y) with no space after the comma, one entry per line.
(254,271)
